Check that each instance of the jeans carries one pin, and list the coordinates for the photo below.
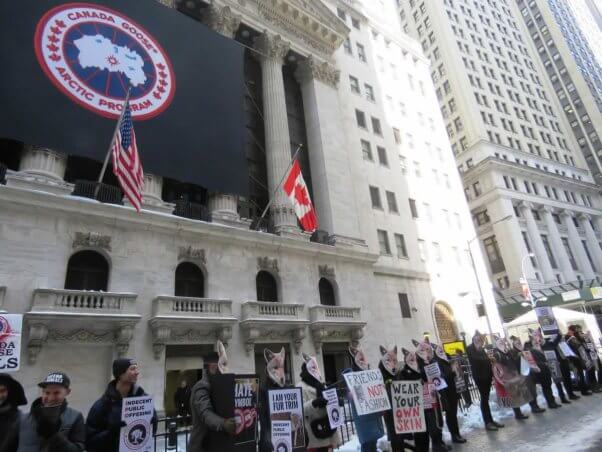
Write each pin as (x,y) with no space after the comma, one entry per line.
(369,447)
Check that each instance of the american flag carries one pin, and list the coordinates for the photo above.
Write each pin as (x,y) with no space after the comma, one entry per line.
(126,163)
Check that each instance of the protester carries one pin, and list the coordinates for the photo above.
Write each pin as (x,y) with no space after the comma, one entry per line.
(369,428)
(449,395)
(182,399)
(12,396)
(389,368)
(544,376)
(52,426)
(590,348)
(460,362)
(580,360)
(104,419)
(204,418)
(482,375)
(513,379)
(321,438)
(563,375)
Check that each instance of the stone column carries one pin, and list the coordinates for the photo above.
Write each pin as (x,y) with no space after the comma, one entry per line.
(538,247)
(577,246)
(328,158)
(223,207)
(592,241)
(557,247)
(272,50)
(43,162)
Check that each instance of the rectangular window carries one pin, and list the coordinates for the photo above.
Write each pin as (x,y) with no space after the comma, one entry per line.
(369,92)
(589,256)
(476,188)
(506,182)
(396,135)
(413,209)
(493,255)
(355,23)
(361,52)
(360,117)
(375,197)
(392,202)
(376,126)
(383,242)
(546,245)
(437,252)
(400,243)
(355,84)
(404,304)
(366,150)
(347,46)
(422,250)
(528,245)
(382,156)
(341,14)
(569,253)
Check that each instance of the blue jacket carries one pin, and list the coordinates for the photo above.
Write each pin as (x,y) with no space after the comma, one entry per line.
(103,424)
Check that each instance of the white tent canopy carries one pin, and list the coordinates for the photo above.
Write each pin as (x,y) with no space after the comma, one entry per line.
(520,326)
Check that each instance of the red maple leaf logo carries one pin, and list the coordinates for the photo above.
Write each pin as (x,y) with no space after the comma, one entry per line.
(53,39)
(301,195)
(60,23)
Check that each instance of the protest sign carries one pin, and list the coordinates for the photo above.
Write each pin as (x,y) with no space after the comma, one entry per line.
(335,416)
(553,364)
(456,365)
(452,347)
(368,391)
(531,360)
(281,436)
(287,405)
(433,374)
(547,321)
(246,388)
(565,350)
(408,406)
(137,435)
(10,342)
(429,396)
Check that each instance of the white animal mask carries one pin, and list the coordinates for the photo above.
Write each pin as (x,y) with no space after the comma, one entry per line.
(222,362)
(275,366)
(311,363)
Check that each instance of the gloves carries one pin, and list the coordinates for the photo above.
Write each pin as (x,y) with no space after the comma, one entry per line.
(116,427)
(320,402)
(230,426)
(48,427)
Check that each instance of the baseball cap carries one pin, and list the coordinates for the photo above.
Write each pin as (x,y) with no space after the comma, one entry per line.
(55,378)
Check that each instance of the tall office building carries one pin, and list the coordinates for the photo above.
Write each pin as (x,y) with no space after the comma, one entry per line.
(588,14)
(573,70)
(524,174)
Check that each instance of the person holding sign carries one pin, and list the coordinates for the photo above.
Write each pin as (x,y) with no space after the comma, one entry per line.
(544,376)
(321,436)
(204,417)
(580,357)
(51,425)
(562,377)
(104,420)
(12,396)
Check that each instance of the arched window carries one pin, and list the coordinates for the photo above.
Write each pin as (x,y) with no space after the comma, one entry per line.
(190,281)
(87,270)
(267,288)
(327,297)
(446,324)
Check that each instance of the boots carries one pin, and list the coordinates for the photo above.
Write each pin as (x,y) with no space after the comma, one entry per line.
(458,439)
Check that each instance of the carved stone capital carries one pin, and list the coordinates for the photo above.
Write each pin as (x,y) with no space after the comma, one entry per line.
(524,205)
(267,264)
(271,47)
(222,20)
(190,253)
(565,213)
(38,334)
(251,336)
(298,336)
(158,350)
(326,271)
(92,240)
(224,335)
(584,216)
(311,68)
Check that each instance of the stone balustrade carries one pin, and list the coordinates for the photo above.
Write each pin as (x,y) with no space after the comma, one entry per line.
(334,314)
(335,323)
(62,301)
(186,307)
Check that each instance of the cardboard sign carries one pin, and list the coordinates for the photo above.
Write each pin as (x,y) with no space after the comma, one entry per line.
(287,405)
(333,410)
(368,391)
(281,436)
(137,435)
(547,321)
(408,406)
(246,389)
(553,364)
(566,350)
(10,342)
(433,374)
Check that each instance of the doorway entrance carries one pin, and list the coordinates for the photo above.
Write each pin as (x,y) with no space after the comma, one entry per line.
(336,359)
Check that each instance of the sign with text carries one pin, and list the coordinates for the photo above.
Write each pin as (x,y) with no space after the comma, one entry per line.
(452,347)
(408,406)
(287,405)
(456,365)
(10,342)
(547,321)
(137,435)
(281,436)
(553,364)
(246,388)
(433,374)
(368,391)
(333,410)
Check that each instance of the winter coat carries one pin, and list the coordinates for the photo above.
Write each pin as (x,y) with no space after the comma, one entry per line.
(313,414)
(552,344)
(369,428)
(182,399)
(204,417)
(103,424)
(9,428)
(70,435)
(480,365)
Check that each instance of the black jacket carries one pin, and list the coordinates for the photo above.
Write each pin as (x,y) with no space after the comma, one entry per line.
(103,424)
(9,428)
(480,364)
(550,344)
(388,415)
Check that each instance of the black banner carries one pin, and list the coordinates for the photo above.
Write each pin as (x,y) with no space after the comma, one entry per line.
(67,66)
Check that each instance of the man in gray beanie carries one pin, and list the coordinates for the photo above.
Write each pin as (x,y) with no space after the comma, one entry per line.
(104,419)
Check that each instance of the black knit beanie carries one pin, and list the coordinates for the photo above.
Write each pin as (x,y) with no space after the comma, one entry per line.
(121,365)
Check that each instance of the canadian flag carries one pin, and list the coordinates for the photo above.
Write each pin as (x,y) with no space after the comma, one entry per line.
(296,190)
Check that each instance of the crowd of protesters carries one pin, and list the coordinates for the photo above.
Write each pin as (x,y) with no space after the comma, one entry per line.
(512,368)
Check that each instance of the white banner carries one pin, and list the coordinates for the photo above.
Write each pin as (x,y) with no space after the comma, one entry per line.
(137,435)
(335,415)
(10,342)
(287,405)
(368,391)
(433,375)
(408,406)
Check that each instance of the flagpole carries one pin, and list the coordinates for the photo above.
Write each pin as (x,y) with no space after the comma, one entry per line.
(271,201)
(106,162)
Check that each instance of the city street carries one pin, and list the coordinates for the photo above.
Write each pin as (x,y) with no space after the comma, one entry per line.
(576,428)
